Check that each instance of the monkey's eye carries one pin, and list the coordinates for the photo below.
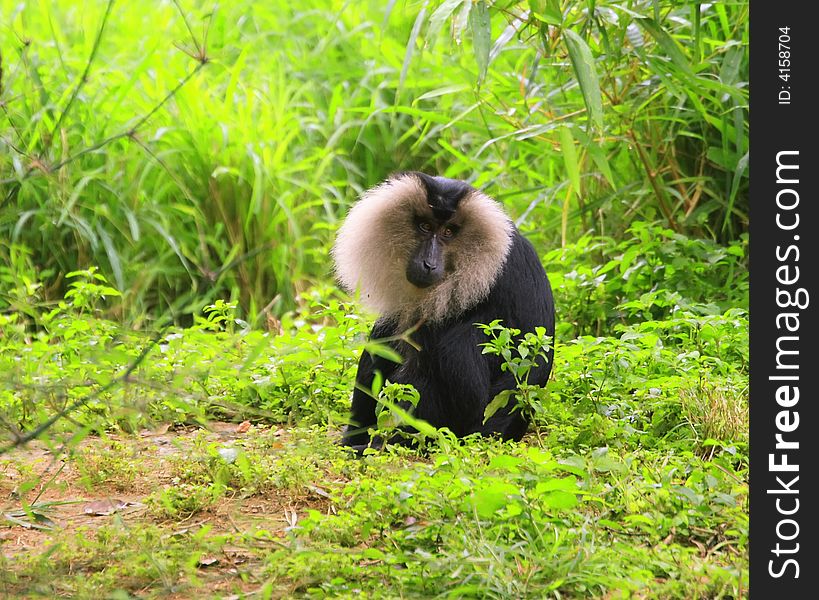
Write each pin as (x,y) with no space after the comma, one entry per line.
(448,231)
(425,226)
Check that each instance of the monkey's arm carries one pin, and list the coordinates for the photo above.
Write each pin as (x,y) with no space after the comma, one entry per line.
(475,380)
(451,376)
(363,408)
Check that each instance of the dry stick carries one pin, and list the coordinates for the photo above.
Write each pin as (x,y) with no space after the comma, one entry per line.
(652,178)
(44,486)
(187,24)
(200,51)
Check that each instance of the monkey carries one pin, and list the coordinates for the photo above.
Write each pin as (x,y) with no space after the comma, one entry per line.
(440,256)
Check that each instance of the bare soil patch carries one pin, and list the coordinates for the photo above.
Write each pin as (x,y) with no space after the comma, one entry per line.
(69,506)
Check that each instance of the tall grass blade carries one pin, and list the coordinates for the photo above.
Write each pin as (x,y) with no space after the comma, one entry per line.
(584,68)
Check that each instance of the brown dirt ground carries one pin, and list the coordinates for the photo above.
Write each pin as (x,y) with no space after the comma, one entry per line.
(61,483)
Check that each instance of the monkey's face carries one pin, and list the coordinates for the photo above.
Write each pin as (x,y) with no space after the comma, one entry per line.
(435,226)
(418,246)
(427,265)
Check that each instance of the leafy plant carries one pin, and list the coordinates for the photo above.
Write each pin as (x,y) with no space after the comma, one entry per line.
(115,464)
(520,356)
(182,500)
(215,174)
(169,184)
(657,91)
(390,397)
(648,275)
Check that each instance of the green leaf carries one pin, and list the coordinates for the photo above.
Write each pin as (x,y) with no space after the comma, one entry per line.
(481,36)
(443,91)
(505,462)
(439,15)
(113,256)
(564,484)
(387,420)
(597,154)
(603,463)
(498,402)
(667,43)
(378,383)
(547,11)
(373,554)
(570,158)
(739,171)
(383,351)
(491,496)
(586,72)
(559,500)
(610,524)
(31,519)
(731,62)
(416,30)
(105,290)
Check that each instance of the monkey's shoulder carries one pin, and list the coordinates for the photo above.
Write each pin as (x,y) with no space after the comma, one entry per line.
(522,285)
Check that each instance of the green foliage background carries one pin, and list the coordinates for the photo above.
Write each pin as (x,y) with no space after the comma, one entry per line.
(171,177)
(214,149)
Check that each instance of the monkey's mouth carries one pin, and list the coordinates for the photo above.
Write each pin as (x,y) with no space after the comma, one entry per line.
(423,277)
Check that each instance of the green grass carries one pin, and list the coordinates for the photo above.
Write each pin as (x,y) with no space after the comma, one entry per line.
(214,150)
(171,177)
(480,520)
(633,482)
(248,162)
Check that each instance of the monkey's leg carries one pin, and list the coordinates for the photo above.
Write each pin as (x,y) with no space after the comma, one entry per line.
(508,425)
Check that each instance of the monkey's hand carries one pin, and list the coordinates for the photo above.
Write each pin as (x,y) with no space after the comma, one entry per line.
(358,449)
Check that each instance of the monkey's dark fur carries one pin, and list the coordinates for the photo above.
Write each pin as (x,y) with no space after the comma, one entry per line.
(438,252)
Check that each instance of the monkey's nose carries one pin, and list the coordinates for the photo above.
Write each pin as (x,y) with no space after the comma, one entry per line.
(430,266)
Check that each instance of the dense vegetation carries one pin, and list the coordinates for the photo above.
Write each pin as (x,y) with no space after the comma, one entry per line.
(170,181)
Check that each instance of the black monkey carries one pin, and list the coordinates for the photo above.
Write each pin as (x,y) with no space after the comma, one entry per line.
(437,252)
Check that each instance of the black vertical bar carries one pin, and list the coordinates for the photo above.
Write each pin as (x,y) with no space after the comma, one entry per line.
(784,300)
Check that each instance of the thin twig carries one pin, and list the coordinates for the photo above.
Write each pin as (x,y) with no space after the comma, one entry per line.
(44,426)
(199,49)
(131,130)
(34,168)
(652,179)
(83,78)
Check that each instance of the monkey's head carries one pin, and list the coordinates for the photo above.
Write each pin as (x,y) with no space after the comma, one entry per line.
(422,247)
